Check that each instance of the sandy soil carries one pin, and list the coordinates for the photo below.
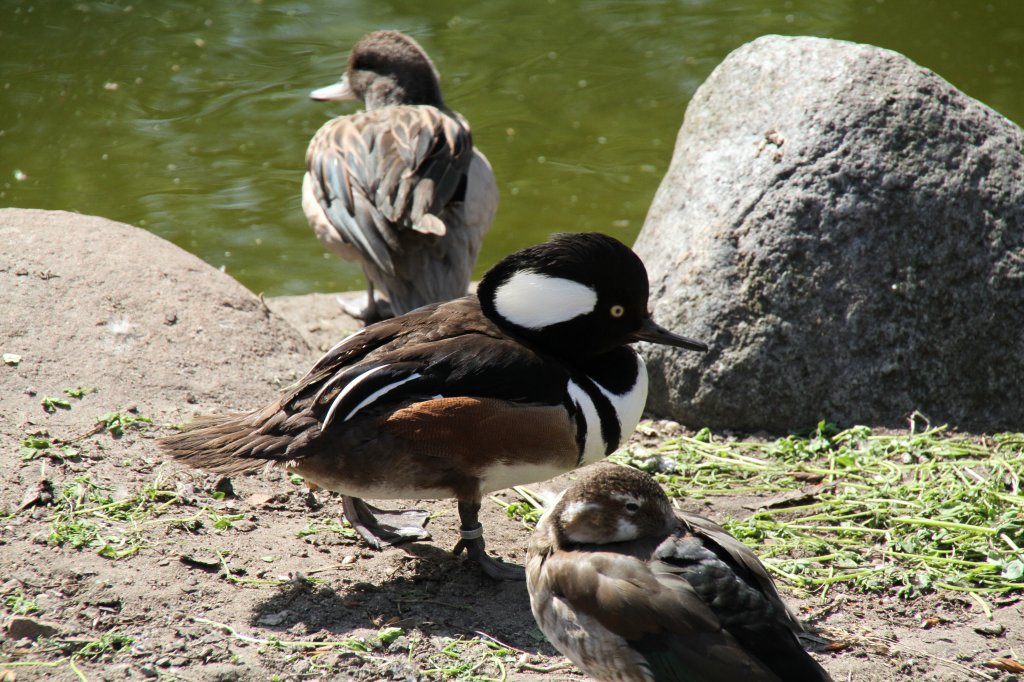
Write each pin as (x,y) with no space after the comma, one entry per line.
(217,583)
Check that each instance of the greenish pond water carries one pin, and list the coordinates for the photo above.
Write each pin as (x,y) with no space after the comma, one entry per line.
(191,118)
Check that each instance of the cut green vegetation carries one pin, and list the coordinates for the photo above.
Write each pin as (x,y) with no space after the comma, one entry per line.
(53,404)
(479,658)
(116,524)
(79,392)
(36,446)
(18,604)
(107,645)
(471,659)
(328,526)
(359,646)
(527,511)
(116,422)
(86,515)
(913,512)
(32,446)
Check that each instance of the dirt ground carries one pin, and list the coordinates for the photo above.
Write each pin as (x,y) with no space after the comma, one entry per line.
(252,578)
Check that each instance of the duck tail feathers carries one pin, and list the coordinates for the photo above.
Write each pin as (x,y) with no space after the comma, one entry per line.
(228,444)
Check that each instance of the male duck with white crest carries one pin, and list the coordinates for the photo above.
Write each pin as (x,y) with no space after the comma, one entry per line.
(530,378)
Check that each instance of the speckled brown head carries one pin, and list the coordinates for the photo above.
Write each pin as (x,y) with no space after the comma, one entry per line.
(611,503)
(387,68)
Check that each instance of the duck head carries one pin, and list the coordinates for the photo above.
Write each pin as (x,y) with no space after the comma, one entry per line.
(576,296)
(386,68)
(609,503)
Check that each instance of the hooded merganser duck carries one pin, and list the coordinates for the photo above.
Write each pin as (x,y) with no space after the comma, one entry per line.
(632,591)
(526,380)
(398,188)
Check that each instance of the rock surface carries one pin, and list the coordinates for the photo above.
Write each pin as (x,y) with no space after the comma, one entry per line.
(846,230)
(318,317)
(23,627)
(88,302)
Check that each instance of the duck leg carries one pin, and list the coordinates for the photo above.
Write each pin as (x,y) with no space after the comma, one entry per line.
(473,542)
(381,527)
(375,310)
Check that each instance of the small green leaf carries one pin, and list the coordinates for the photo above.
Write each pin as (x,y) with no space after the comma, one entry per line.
(79,391)
(32,446)
(19,603)
(1014,570)
(116,422)
(845,460)
(389,635)
(52,404)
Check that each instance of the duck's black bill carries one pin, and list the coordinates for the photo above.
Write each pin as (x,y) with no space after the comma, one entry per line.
(653,332)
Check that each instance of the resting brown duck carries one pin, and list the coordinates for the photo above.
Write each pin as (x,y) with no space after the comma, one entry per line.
(399,187)
(633,591)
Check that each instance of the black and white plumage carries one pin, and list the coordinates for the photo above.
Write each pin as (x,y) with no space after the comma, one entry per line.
(632,591)
(398,188)
(530,378)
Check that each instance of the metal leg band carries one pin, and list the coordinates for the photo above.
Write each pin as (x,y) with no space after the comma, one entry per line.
(472,533)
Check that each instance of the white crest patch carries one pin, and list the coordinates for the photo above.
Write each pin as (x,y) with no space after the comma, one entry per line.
(549,505)
(579,523)
(534,301)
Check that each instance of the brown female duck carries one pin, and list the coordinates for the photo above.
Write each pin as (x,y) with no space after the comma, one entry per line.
(632,591)
(399,187)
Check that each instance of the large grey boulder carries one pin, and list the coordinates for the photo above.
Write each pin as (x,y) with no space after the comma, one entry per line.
(846,230)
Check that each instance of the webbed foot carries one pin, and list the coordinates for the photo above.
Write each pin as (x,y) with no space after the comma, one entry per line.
(473,543)
(381,527)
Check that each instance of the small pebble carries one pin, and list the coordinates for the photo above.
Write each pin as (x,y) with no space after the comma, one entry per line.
(995,630)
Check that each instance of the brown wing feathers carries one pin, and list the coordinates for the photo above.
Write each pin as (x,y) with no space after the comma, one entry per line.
(426,152)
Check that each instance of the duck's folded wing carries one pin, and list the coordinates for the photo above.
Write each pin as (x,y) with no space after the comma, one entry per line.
(379,172)
(660,616)
(741,559)
(412,379)
(734,584)
(283,430)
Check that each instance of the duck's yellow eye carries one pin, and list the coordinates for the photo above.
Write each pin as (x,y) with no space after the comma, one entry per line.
(618,311)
